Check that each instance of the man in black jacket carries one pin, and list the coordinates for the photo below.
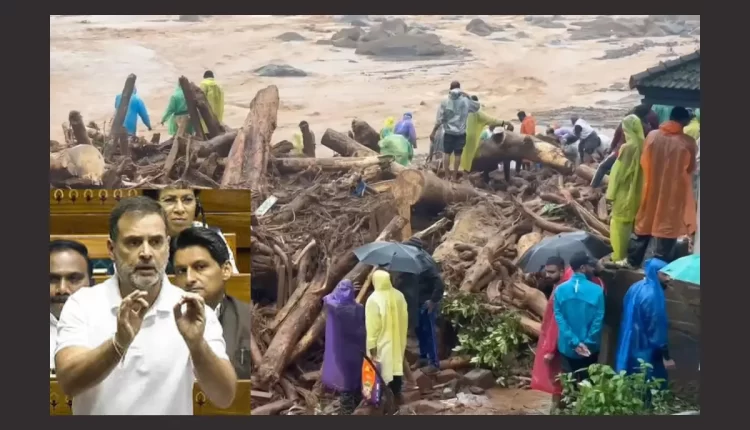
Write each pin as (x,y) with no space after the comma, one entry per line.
(423,293)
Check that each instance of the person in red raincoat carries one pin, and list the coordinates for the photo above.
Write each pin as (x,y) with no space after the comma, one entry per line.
(547,365)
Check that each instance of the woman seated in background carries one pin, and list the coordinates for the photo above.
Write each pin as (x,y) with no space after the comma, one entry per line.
(182,207)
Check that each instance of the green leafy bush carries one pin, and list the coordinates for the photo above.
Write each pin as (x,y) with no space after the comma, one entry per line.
(492,340)
(607,392)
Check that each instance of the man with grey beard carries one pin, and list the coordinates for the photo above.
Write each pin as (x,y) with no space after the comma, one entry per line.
(134,344)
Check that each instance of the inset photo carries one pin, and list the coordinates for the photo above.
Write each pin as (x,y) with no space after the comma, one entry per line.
(149,293)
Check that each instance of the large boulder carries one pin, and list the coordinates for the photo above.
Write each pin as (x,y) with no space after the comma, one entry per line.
(351,33)
(290,36)
(405,45)
(280,71)
(481,28)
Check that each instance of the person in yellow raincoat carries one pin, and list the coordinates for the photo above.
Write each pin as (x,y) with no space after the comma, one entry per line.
(475,123)
(387,322)
(388,126)
(177,114)
(214,96)
(625,187)
(694,128)
(667,211)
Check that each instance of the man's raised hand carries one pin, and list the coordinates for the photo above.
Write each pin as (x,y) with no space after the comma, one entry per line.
(192,322)
(130,316)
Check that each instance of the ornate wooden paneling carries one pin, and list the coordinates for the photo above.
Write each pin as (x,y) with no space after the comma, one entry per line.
(238,286)
(60,404)
(97,243)
(102,201)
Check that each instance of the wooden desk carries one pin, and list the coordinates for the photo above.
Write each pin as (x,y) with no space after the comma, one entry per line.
(238,286)
(97,243)
(60,404)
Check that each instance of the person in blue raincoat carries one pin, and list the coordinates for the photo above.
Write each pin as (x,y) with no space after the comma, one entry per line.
(643,329)
(136,108)
(579,313)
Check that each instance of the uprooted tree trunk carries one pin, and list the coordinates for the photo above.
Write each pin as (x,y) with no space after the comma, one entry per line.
(481,272)
(248,158)
(432,190)
(79,128)
(220,145)
(333,164)
(366,135)
(193,114)
(213,125)
(516,146)
(344,145)
(308,308)
(118,135)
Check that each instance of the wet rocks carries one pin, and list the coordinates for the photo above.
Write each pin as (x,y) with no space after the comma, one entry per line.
(427,407)
(545,21)
(652,26)
(280,71)
(189,18)
(446,375)
(481,28)
(522,35)
(291,36)
(481,378)
(351,19)
(391,38)
(351,33)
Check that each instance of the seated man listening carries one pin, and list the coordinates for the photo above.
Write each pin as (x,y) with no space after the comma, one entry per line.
(202,265)
(70,269)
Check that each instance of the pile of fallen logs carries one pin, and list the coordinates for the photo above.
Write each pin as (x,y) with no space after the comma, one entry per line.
(216,156)
(477,230)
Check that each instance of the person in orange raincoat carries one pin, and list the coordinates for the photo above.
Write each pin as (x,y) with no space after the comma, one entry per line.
(668,209)
(528,127)
(547,364)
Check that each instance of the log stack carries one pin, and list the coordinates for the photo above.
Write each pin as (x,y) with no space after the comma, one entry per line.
(304,245)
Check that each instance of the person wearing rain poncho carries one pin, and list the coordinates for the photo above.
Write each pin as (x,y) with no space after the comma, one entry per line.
(397,146)
(667,210)
(625,186)
(388,126)
(345,339)
(693,129)
(475,123)
(214,96)
(406,128)
(136,108)
(643,329)
(387,322)
(579,312)
(177,114)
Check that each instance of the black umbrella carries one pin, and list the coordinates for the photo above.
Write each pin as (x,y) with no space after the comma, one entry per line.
(398,257)
(562,245)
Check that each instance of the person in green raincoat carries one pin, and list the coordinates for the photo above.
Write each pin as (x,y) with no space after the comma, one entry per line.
(177,114)
(626,186)
(475,123)
(398,146)
(214,96)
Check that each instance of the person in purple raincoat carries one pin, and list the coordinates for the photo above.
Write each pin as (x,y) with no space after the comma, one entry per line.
(345,341)
(405,128)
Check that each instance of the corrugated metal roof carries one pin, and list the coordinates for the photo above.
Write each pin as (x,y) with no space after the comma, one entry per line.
(682,73)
